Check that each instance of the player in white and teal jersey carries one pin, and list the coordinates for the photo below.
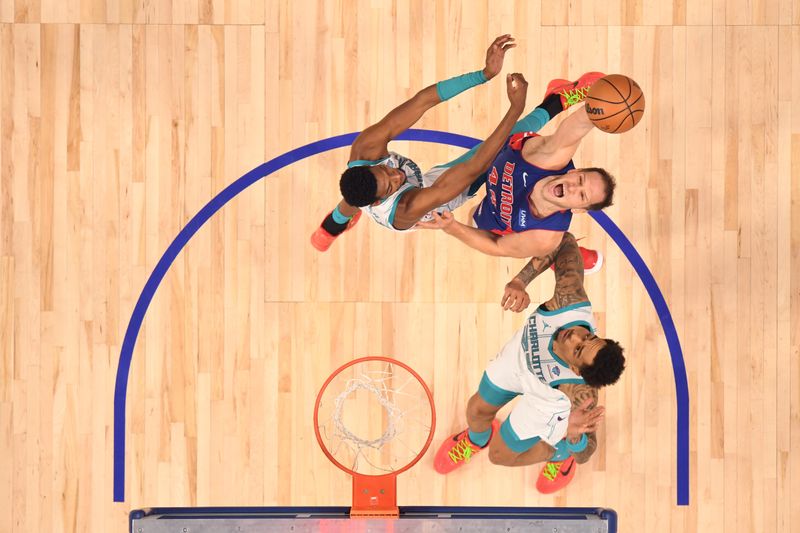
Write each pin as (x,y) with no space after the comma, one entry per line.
(554,363)
(531,350)
(384,210)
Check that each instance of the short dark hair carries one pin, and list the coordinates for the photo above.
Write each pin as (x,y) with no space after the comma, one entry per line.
(607,366)
(610,184)
(359,186)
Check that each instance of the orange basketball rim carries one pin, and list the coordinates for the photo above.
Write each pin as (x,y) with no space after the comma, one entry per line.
(374,418)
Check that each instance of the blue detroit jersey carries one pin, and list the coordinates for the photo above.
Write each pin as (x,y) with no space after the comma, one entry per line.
(505,207)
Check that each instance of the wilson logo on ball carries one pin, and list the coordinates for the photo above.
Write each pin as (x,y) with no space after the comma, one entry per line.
(594,110)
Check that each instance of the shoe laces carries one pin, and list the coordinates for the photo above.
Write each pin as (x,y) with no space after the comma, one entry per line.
(550,470)
(575,96)
(462,451)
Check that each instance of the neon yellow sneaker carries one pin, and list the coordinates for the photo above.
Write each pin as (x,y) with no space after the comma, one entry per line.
(556,475)
(458,449)
(573,92)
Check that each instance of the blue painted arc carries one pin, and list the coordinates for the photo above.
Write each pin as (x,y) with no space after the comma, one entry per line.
(339,141)
(673,343)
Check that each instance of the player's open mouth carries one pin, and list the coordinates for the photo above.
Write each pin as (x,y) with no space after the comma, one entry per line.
(558,190)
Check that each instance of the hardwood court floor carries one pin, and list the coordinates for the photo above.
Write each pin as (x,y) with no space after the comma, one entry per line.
(120,119)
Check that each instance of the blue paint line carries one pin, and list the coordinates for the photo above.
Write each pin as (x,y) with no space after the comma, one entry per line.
(439,137)
(293,156)
(673,342)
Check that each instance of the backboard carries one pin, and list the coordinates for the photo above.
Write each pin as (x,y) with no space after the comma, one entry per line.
(411,519)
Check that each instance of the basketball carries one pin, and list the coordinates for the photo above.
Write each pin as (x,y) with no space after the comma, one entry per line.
(615,103)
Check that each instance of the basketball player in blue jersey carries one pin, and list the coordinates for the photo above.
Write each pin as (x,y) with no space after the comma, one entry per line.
(555,363)
(532,190)
(392,189)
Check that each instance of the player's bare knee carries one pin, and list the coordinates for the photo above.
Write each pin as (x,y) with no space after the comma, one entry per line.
(500,453)
(494,457)
(499,456)
(478,408)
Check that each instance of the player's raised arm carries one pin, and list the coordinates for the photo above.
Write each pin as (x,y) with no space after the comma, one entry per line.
(418,202)
(515,297)
(569,279)
(569,275)
(556,150)
(372,143)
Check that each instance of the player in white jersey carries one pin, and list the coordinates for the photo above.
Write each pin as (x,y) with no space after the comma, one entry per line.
(374,175)
(384,210)
(555,363)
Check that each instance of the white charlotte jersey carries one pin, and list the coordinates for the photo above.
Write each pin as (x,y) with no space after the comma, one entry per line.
(383,213)
(527,366)
(537,342)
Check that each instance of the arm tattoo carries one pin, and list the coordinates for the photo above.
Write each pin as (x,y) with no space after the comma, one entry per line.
(577,394)
(537,265)
(569,275)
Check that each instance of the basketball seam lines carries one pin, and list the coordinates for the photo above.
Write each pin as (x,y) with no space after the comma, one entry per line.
(624,100)
(631,111)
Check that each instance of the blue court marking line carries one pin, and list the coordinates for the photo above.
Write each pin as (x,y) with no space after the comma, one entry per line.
(340,141)
(673,343)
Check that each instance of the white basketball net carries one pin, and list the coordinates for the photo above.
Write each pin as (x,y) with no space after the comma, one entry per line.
(374,426)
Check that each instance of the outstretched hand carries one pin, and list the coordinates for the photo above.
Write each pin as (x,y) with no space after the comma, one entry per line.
(515,296)
(442,221)
(583,419)
(517,89)
(495,55)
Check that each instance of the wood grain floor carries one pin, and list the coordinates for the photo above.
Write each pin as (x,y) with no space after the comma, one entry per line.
(120,119)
